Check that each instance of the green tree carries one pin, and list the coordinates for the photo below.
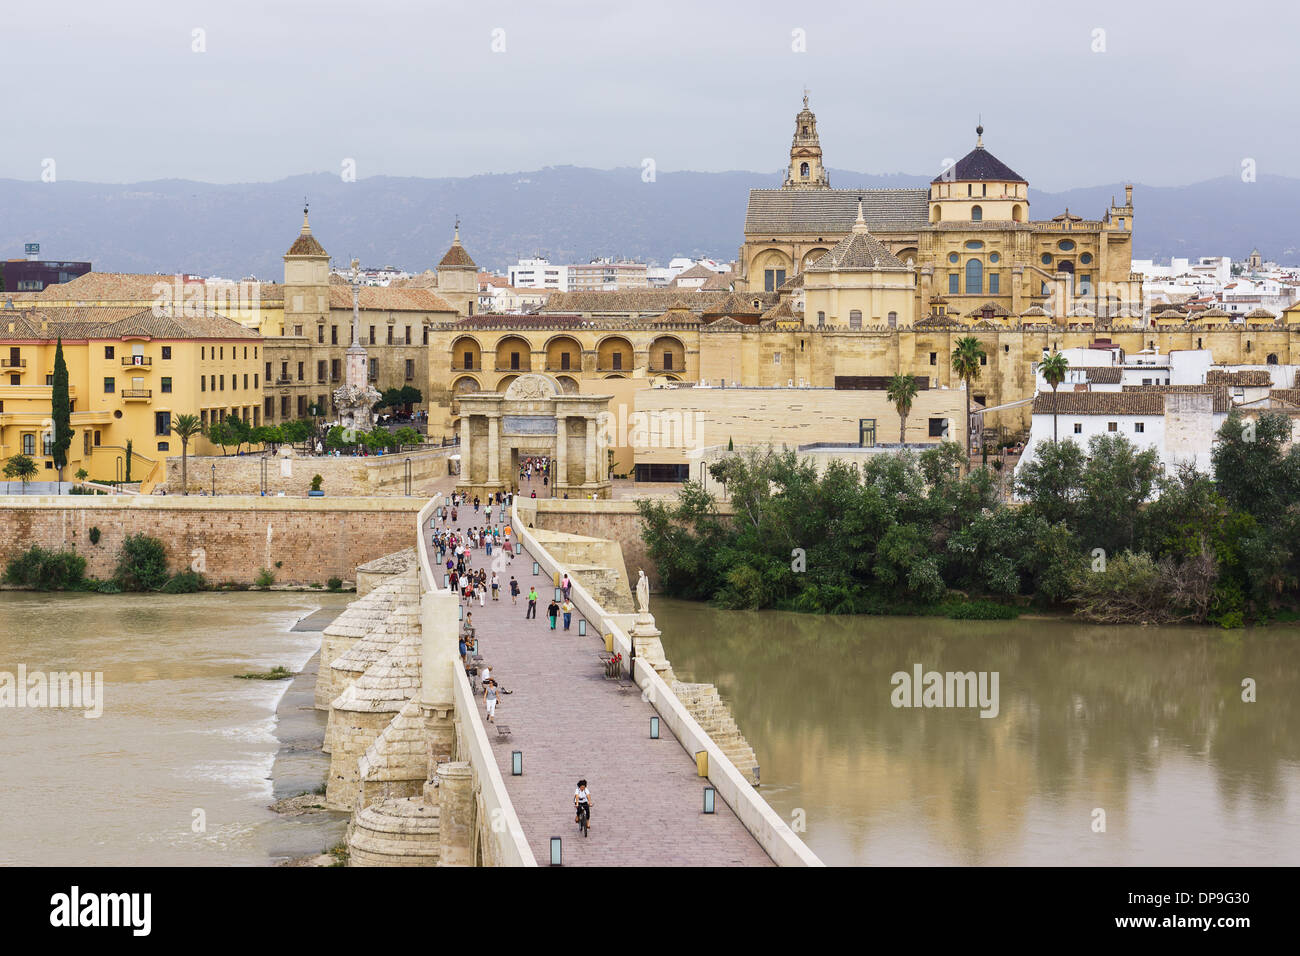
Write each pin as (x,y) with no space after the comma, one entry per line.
(1117,480)
(268,436)
(1053,370)
(129,455)
(241,432)
(1052,483)
(61,412)
(186,427)
(21,467)
(901,390)
(1253,471)
(219,434)
(142,565)
(297,431)
(967,357)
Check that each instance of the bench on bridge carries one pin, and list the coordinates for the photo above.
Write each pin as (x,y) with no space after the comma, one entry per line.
(503,731)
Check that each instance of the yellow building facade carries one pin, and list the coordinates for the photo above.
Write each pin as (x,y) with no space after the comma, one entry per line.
(130,373)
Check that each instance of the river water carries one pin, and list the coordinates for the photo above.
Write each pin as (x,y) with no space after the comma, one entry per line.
(1146,725)
(178,733)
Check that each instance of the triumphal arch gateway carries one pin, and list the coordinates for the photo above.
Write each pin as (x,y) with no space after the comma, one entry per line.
(533,418)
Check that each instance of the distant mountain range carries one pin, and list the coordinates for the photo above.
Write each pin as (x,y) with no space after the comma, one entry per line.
(567,213)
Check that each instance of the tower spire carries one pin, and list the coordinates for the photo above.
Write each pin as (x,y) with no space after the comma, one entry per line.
(979,133)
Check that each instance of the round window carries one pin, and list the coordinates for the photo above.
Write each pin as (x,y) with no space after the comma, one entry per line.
(994,257)
(1047,258)
(1086,258)
(952,257)
(1065,245)
(117,413)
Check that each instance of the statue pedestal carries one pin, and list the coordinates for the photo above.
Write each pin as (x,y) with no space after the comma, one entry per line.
(645,638)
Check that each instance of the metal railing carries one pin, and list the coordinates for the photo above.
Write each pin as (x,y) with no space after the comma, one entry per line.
(137,393)
(13,363)
(137,360)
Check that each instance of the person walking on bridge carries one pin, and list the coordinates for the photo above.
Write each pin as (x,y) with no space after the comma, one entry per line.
(532,603)
(514,590)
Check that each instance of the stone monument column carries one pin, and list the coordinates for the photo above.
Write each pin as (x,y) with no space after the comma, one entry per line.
(494,448)
(464,448)
(561,452)
(593,466)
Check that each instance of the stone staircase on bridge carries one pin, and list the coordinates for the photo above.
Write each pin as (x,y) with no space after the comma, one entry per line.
(714,716)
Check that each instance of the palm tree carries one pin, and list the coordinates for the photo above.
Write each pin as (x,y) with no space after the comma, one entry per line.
(966,360)
(901,389)
(186,427)
(1053,370)
(21,467)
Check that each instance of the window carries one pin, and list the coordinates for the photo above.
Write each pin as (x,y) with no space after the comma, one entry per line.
(954,258)
(300,371)
(85,443)
(938,428)
(984,359)
(1047,259)
(166,352)
(166,385)
(776,358)
(372,335)
(221,379)
(1065,245)
(993,283)
(564,361)
(668,361)
(514,361)
(334,335)
(1112,426)
(110,385)
(855,319)
(1085,258)
(994,257)
(29,444)
(390,335)
(284,407)
(954,283)
(1078,428)
(374,369)
(108,351)
(803,170)
(334,370)
(772,279)
(821,319)
(867,432)
(893,320)
(410,369)
(934,358)
(96,439)
(297,330)
(974,244)
(618,361)
(163,446)
(1139,427)
(270,407)
(320,334)
(426,330)
(268,371)
(974,277)
(322,369)
(408,335)
(976,214)
(302,406)
(162,423)
(255,385)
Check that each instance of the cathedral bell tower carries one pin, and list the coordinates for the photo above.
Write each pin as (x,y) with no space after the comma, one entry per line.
(806,170)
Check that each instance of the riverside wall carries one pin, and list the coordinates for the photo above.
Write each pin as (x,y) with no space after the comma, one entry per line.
(291,474)
(229,539)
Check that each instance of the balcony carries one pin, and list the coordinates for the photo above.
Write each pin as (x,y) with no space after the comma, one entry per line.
(138,361)
(137,394)
(461,366)
(13,363)
(284,380)
(507,367)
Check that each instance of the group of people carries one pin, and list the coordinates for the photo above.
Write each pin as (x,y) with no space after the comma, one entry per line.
(535,465)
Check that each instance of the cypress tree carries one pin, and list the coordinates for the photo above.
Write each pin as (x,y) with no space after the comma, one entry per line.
(61,413)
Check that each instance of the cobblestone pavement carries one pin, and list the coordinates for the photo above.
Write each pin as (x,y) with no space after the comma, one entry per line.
(570,722)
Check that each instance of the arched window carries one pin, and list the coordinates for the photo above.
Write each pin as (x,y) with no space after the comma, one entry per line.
(976,214)
(1272,359)
(1017,213)
(855,319)
(974,277)
(803,170)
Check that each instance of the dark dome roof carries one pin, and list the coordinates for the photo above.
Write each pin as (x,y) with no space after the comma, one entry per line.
(979,165)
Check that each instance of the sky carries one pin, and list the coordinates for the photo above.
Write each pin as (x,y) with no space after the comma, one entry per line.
(1070,95)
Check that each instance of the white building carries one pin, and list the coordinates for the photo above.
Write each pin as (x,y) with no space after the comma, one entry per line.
(538,274)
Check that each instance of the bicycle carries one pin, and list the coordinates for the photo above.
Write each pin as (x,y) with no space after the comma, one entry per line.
(584,816)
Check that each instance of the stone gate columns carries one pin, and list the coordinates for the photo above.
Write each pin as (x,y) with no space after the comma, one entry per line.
(593,466)
(464,446)
(561,451)
(494,448)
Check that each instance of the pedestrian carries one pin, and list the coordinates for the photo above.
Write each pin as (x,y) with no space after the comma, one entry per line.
(514,590)
(552,610)
(533,493)
(496,586)
(566,585)
(476,503)
(482,594)
(567,608)
(490,698)
(532,603)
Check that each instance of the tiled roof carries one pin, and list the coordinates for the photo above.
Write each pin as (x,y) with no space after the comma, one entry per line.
(721,282)
(784,311)
(794,282)
(979,165)
(1104,375)
(697,271)
(457,258)
(1289,395)
(306,245)
(634,301)
(131,287)
(859,250)
(1245,377)
(1100,403)
(487,321)
(993,307)
(833,211)
(118,322)
(1260,314)
(1222,401)
(741,303)
(388,299)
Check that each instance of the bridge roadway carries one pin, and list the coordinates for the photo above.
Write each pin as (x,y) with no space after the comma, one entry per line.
(570,723)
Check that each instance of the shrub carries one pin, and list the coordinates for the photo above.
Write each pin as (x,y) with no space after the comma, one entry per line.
(264,578)
(142,565)
(335,584)
(47,570)
(187,582)
(94,535)
(107,587)
(316,481)
(979,611)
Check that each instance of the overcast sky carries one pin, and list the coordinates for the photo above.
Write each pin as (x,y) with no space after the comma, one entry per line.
(113,92)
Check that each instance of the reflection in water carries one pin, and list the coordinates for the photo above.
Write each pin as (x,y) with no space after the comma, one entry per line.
(178,732)
(1146,724)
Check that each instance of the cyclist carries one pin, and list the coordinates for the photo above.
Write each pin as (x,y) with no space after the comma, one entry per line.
(582,803)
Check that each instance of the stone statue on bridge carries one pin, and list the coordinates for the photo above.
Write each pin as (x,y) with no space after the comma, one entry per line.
(643,592)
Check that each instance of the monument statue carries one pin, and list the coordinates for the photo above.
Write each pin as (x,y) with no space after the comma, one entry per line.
(643,592)
(355,399)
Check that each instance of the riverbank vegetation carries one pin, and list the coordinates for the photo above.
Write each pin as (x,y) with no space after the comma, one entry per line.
(141,566)
(1100,531)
